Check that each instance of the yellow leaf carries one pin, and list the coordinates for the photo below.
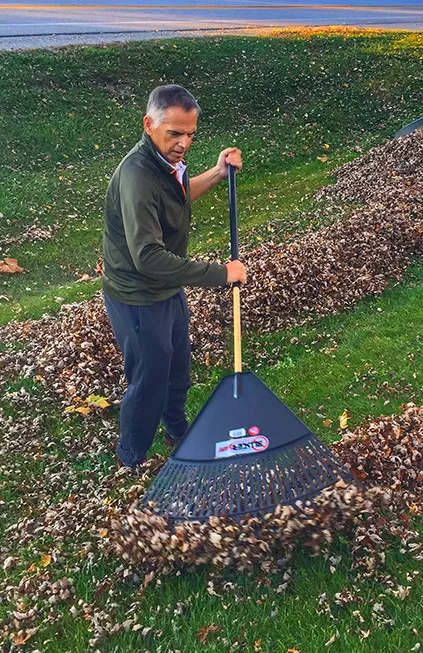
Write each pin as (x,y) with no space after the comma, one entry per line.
(103,532)
(70,409)
(84,410)
(326,146)
(97,146)
(45,559)
(327,422)
(343,420)
(97,400)
(32,569)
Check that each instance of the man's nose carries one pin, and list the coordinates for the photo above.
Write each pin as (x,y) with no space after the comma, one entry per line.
(184,141)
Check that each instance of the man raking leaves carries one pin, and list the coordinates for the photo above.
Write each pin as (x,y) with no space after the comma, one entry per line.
(147,218)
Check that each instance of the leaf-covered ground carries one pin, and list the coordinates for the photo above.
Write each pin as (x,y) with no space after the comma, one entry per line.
(322,272)
(300,104)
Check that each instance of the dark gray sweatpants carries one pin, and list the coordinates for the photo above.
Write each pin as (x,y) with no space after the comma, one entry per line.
(155,344)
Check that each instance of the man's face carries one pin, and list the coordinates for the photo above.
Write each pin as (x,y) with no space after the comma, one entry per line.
(173,136)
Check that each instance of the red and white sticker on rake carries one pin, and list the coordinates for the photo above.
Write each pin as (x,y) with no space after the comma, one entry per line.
(254,443)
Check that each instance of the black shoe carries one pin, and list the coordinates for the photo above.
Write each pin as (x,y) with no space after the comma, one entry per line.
(171,440)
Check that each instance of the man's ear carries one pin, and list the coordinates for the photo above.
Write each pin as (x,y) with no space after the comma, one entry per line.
(148,124)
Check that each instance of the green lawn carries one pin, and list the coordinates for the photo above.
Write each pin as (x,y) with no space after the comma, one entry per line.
(67,118)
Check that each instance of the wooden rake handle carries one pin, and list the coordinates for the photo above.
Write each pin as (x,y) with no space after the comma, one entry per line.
(234,255)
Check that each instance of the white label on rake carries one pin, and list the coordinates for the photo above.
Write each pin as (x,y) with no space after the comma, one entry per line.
(229,448)
(237,433)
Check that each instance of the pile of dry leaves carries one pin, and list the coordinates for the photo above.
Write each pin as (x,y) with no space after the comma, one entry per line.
(386,453)
(321,272)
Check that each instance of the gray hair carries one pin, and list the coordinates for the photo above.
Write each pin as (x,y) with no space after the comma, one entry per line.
(171,95)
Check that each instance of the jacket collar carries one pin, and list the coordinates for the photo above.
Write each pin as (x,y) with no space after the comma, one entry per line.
(149,150)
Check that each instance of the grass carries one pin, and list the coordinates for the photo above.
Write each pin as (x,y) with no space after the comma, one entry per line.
(67,117)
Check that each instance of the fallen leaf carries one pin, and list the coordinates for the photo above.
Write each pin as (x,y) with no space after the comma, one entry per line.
(343,420)
(323,159)
(148,578)
(97,400)
(203,633)
(23,636)
(332,639)
(45,559)
(9,563)
(84,277)
(359,474)
(327,422)
(10,266)
(84,410)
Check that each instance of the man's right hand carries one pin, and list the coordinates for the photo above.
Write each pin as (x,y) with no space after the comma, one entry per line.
(236,272)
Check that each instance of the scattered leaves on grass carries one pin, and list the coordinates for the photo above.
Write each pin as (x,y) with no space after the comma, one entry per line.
(95,514)
(322,272)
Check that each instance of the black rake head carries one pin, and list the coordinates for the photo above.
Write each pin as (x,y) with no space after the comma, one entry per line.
(196,491)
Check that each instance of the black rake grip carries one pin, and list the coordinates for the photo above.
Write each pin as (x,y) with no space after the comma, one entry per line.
(233,212)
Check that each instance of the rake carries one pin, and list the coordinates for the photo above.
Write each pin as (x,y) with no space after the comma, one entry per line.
(246,452)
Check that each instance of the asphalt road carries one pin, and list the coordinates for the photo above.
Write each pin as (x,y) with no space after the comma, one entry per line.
(78,21)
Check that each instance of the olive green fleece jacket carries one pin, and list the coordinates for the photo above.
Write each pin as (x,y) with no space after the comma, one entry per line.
(147,219)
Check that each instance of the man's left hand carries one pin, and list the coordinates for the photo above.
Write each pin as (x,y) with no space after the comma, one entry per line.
(232,155)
